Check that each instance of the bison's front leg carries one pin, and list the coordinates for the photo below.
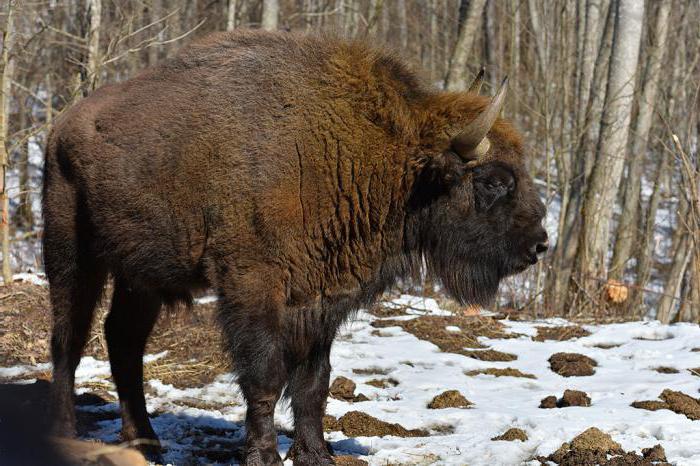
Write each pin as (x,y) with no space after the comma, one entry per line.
(253,336)
(308,390)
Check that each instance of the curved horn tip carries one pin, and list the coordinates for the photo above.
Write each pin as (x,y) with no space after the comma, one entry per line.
(475,86)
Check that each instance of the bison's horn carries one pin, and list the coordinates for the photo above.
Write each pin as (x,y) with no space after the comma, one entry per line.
(472,141)
(478,81)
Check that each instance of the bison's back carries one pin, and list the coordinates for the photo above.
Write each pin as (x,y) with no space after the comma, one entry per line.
(242,145)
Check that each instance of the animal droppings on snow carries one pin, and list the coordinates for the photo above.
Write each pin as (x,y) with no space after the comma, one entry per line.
(569,398)
(511,435)
(675,401)
(498,372)
(449,399)
(572,364)
(343,389)
(594,447)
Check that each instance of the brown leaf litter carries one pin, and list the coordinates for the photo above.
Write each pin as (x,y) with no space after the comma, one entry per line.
(433,329)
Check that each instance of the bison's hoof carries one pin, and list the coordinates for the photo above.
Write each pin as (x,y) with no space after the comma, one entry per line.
(257,457)
(308,457)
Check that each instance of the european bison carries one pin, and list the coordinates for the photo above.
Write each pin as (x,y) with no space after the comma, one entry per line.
(299,177)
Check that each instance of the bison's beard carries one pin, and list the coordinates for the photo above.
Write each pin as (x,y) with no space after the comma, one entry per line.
(470,271)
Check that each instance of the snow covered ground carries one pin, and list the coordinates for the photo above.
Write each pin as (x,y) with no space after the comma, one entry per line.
(626,353)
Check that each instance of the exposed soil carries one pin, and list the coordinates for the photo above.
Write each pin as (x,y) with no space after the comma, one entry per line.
(560,333)
(695,371)
(449,399)
(572,364)
(548,402)
(330,423)
(695,350)
(677,402)
(506,372)
(343,389)
(383,383)
(359,424)
(594,447)
(666,370)
(512,434)
(432,329)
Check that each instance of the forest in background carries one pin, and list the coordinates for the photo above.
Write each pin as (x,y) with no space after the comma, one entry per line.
(607,93)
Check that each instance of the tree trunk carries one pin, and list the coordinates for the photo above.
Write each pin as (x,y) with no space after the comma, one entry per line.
(626,230)
(613,134)
(92,62)
(156,13)
(401,18)
(7,72)
(231,15)
(582,165)
(270,15)
(456,78)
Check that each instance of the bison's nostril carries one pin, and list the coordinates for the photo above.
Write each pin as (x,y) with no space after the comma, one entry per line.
(541,248)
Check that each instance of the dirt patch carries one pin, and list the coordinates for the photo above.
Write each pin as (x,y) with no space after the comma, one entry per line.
(666,370)
(572,364)
(596,447)
(359,424)
(383,383)
(695,371)
(570,398)
(507,372)
(574,398)
(371,371)
(512,434)
(695,350)
(347,460)
(191,337)
(560,333)
(650,405)
(433,329)
(490,355)
(343,389)
(677,402)
(330,423)
(449,399)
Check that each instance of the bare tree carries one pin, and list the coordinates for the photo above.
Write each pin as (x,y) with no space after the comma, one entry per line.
(231,15)
(626,231)
(6,73)
(613,135)
(457,73)
(270,15)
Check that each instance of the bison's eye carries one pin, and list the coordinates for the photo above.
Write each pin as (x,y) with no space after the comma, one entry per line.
(491,183)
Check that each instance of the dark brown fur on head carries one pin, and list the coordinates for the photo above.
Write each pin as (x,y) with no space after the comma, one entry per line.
(299,176)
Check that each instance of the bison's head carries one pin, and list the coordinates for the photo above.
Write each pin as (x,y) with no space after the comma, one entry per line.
(477,216)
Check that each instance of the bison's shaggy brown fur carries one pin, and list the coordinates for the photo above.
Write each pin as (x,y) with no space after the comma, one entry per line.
(299,177)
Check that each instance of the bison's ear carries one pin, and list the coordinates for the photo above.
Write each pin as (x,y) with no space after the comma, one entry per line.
(444,170)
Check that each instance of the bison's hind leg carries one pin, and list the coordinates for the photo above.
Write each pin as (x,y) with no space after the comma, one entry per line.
(131,318)
(76,281)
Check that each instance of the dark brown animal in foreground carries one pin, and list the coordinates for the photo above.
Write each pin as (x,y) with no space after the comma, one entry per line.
(297,176)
